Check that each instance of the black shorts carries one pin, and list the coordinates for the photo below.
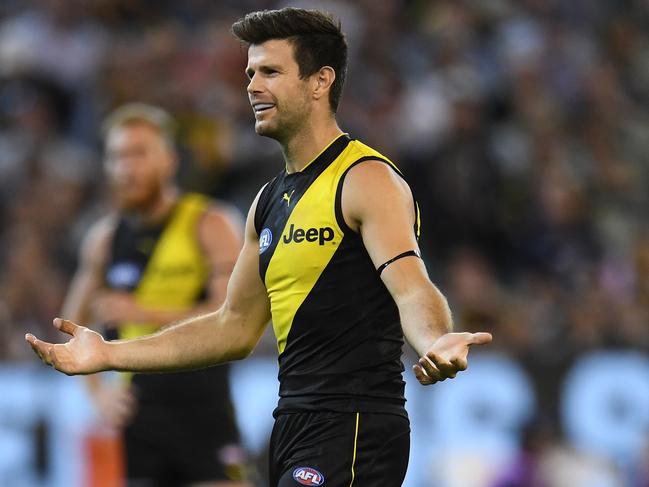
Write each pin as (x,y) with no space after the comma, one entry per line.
(181,447)
(339,450)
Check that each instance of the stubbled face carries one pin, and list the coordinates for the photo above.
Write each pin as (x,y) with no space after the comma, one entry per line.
(279,97)
(138,163)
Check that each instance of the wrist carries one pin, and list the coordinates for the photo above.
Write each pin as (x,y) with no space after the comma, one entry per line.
(109,356)
(428,344)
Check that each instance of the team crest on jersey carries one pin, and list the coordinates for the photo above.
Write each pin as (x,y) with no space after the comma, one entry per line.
(124,275)
(265,239)
(308,476)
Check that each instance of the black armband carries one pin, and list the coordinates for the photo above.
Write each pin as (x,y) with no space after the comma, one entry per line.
(408,253)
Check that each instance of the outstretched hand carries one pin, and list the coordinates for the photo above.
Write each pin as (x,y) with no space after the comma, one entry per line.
(447,356)
(85,353)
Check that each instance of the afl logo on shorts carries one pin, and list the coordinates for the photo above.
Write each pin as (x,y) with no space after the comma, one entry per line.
(308,476)
(265,239)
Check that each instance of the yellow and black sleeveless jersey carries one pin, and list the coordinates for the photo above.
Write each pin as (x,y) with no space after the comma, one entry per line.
(337,326)
(164,268)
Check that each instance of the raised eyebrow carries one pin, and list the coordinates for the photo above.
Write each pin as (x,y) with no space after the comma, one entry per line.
(269,67)
(266,68)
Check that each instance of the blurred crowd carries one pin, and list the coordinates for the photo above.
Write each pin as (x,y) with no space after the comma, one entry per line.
(522,125)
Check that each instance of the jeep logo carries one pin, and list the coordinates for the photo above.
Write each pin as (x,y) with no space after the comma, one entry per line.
(320,235)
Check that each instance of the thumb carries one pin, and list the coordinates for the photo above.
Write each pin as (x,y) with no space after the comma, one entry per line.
(480,338)
(66,326)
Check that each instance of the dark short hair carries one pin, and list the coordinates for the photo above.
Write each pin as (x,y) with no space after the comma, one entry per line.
(316,36)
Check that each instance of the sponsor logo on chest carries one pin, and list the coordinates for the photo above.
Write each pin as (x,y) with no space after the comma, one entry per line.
(299,235)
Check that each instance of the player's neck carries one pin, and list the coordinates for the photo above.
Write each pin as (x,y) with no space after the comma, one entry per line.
(306,144)
(158,210)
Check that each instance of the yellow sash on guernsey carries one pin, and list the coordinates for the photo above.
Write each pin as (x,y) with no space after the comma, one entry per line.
(289,284)
(177,271)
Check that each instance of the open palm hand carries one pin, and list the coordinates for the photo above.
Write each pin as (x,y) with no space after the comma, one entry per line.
(447,356)
(84,353)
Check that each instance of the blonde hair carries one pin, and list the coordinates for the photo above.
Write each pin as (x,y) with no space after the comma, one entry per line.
(142,113)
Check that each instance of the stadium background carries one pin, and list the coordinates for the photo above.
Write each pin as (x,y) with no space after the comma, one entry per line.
(523,127)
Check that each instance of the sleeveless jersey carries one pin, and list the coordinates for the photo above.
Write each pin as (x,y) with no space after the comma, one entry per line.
(164,268)
(337,326)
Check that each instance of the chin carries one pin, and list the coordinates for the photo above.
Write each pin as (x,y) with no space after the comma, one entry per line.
(263,129)
(270,131)
(133,202)
(128,204)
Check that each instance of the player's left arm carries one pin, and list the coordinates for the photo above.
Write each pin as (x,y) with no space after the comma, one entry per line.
(378,204)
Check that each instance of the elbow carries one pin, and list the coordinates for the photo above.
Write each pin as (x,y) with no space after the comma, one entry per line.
(243,347)
(242,352)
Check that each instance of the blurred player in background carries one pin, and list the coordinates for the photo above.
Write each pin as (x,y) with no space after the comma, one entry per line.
(331,254)
(162,256)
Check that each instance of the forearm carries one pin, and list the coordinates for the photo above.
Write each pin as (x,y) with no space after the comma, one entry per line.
(162,317)
(425,316)
(198,342)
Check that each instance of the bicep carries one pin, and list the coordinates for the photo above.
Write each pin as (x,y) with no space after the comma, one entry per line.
(221,236)
(88,277)
(246,293)
(246,296)
(379,205)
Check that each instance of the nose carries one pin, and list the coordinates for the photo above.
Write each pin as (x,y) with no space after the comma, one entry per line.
(120,168)
(253,85)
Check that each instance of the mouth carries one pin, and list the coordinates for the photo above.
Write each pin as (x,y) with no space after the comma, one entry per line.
(262,107)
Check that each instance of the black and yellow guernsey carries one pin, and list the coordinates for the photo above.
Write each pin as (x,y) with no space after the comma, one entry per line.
(337,326)
(164,268)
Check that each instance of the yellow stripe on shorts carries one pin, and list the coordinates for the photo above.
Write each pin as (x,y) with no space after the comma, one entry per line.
(355,442)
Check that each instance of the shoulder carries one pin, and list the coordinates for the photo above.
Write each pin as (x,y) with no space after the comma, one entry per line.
(220,219)
(253,222)
(266,191)
(103,229)
(373,187)
(96,243)
(371,175)
(363,161)
(359,151)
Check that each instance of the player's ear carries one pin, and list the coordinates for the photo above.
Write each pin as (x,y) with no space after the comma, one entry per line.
(323,80)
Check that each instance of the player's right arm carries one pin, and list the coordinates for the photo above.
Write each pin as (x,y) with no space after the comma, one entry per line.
(230,333)
(88,278)
(114,403)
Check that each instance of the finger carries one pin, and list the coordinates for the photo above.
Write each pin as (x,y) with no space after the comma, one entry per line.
(446,368)
(51,357)
(431,369)
(123,413)
(66,326)
(480,338)
(118,421)
(126,398)
(39,347)
(460,363)
(38,353)
(421,375)
(31,339)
